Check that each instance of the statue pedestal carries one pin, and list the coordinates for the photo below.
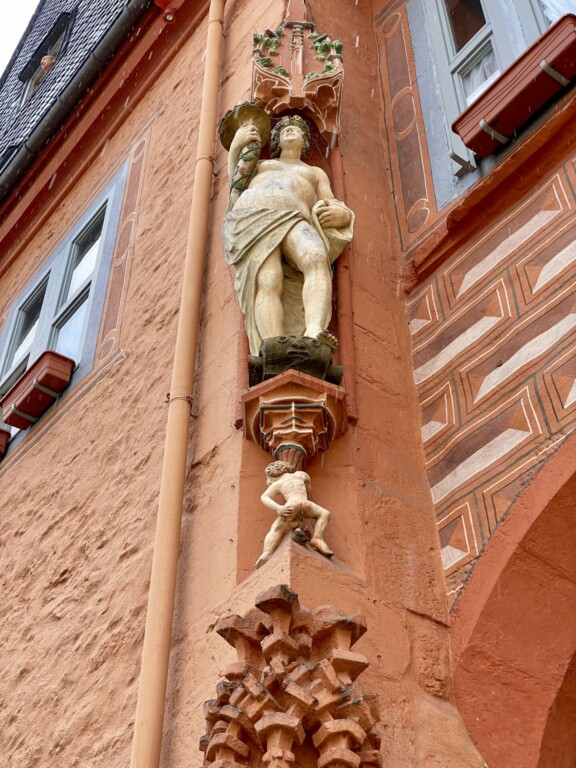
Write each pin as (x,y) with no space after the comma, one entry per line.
(294,416)
(298,353)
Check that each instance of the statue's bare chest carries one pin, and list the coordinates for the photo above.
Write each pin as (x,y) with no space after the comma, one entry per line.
(289,173)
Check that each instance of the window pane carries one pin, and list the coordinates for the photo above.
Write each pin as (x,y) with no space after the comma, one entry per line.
(24,345)
(84,264)
(84,257)
(478,76)
(26,328)
(70,333)
(34,83)
(466,18)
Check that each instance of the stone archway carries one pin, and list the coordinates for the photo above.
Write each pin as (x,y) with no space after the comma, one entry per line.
(514,628)
(559,742)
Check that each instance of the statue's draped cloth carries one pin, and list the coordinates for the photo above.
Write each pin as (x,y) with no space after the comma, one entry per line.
(250,235)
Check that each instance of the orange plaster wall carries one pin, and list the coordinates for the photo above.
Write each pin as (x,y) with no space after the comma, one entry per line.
(491,282)
(491,308)
(411,175)
(493,339)
(79,495)
(386,563)
(80,499)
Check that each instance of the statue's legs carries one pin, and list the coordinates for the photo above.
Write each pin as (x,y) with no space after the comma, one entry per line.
(272,540)
(268,309)
(322,517)
(304,250)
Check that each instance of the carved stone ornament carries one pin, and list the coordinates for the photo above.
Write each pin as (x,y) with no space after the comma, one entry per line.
(291,698)
(283,228)
(293,486)
(295,67)
(248,158)
(294,416)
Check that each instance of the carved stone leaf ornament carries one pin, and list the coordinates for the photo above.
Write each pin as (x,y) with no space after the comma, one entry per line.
(295,67)
(294,684)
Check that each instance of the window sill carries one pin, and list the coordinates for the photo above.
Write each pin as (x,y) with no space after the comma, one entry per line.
(528,83)
(37,389)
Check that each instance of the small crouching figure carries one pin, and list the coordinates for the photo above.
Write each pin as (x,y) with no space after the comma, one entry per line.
(294,487)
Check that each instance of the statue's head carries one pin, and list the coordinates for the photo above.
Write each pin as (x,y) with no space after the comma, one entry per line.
(297,121)
(277,469)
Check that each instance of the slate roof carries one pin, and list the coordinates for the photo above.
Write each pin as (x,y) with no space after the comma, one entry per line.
(91,20)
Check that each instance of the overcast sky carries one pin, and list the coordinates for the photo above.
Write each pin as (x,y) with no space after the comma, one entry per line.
(15,18)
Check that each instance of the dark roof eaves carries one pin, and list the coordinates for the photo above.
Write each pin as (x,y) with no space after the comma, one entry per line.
(86,74)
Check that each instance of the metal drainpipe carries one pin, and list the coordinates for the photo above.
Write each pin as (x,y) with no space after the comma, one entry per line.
(146,746)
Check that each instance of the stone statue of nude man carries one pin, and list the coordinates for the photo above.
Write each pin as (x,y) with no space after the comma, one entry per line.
(281,234)
(293,487)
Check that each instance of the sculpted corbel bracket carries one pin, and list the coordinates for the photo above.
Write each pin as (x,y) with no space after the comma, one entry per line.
(294,416)
(295,677)
(294,427)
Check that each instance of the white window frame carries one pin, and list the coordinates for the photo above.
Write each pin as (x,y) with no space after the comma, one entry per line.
(511,26)
(54,279)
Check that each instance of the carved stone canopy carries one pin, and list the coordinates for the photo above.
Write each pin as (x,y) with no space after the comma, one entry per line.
(294,684)
(295,67)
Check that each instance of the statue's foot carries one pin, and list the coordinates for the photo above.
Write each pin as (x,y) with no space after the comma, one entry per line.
(321,546)
(261,560)
(325,337)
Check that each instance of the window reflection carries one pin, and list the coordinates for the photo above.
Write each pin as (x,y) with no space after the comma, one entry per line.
(26,328)
(70,332)
(466,18)
(84,263)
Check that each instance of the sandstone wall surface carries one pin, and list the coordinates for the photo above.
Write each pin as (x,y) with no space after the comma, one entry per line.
(490,281)
(80,498)
(79,494)
(387,562)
